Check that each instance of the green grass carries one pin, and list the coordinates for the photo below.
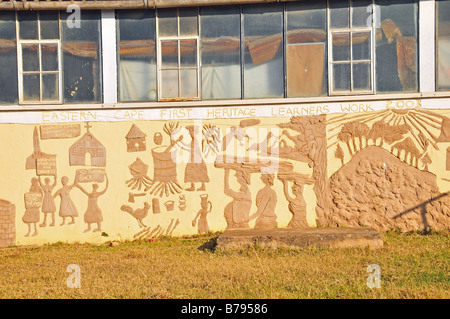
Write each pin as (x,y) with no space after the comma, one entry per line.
(412,266)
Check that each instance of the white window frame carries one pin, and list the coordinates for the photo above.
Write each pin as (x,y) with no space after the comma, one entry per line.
(160,68)
(350,30)
(39,43)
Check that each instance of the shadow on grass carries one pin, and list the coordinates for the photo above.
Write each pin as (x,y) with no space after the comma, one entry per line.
(210,245)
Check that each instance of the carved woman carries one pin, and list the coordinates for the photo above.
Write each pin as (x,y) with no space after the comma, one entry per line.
(67,207)
(266,201)
(48,204)
(297,205)
(196,170)
(237,212)
(93,213)
(32,212)
(206,205)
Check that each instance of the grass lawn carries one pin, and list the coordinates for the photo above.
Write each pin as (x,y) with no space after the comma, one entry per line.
(412,266)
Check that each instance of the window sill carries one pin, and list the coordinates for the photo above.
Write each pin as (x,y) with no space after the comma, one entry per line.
(228,103)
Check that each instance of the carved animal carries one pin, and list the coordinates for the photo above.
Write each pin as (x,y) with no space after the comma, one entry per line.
(139,213)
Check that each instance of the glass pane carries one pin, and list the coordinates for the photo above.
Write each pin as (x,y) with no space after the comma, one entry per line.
(169,54)
(396,46)
(188,53)
(341,77)
(49,24)
(169,83)
(361,76)
(82,59)
(188,21)
(263,60)
(50,87)
(361,45)
(341,46)
(31,87)
(137,55)
(28,27)
(306,55)
(443,45)
(49,57)
(221,72)
(339,14)
(362,13)
(188,83)
(167,22)
(8,58)
(30,57)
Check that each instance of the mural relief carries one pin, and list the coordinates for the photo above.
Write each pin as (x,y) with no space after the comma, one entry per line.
(383,169)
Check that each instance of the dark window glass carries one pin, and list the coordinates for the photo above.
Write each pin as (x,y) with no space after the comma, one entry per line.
(8,58)
(443,45)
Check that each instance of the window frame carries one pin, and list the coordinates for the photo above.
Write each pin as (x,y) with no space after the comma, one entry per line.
(39,42)
(351,30)
(179,38)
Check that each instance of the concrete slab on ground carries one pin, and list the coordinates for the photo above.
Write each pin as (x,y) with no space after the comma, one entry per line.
(338,237)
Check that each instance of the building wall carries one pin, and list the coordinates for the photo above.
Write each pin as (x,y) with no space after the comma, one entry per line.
(384,166)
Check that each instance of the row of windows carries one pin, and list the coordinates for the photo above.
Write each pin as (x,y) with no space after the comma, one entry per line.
(294,49)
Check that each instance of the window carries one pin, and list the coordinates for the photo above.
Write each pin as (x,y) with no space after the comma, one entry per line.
(396,46)
(54,62)
(443,45)
(39,57)
(178,63)
(137,55)
(221,54)
(8,58)
(306,53)
(351,55)
(263,51)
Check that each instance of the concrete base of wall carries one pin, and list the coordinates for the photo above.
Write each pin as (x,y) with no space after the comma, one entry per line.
(339,237)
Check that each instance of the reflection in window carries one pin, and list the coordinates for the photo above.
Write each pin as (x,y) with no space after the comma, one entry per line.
(82,59)
(306,56)
(137,55)
(8,58)
(220,43)
(443,45)
(263,51)
(396,46)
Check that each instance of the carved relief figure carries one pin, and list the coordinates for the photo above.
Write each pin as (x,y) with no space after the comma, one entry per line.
(297,204)
(67,207)
(93,214)
(139,213)
(266,201)
(238,211)
(48,204)
(87,144)
(206,205)
(32,206)
(196,170)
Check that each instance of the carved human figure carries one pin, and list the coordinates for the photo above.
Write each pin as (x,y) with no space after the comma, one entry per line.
(206,205)
(196,170)
(237,212)
(48,204)
(297,205)
(266,201)
(67,207)
(93,214)
(31,215)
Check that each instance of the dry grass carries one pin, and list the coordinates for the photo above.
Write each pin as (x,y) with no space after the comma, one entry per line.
(412,266)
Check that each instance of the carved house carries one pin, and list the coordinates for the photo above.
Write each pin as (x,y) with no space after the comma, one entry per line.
(136,141)
(87,146)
